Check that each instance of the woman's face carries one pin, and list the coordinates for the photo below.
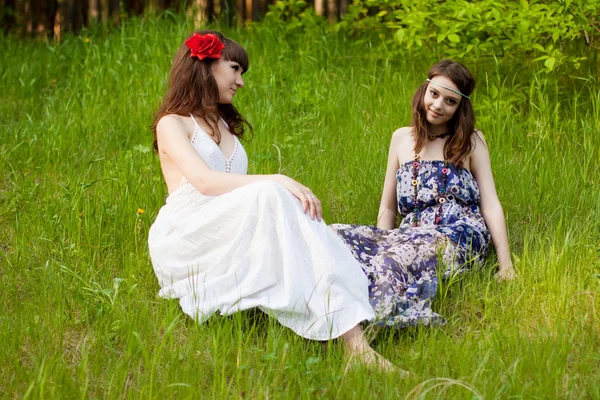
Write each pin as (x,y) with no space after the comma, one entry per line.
(228,75)
(440,103)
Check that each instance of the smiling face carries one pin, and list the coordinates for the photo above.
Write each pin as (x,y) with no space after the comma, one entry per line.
(228,75)
(440,103)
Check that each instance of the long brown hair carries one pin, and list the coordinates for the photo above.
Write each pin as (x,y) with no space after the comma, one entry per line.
(193,90)
(462,124)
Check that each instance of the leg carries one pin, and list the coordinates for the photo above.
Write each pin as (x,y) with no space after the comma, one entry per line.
(358,350)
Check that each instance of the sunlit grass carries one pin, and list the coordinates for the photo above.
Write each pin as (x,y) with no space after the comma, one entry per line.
(80,187)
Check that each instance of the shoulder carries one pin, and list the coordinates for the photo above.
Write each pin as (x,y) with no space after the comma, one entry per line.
(174,125)
(402,133)
(402,144)
(479,145)
(477,139)
(170,122)
(479,151)
(402,136)
(172,131)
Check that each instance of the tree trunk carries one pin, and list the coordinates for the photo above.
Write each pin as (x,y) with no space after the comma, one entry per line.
(39,21)
(199,10)
(319,7)
(210,10)
(60,19)
(24,8)
(115,11)
(93,12)
(104,10)
(77,21)
(240,12)
(249,13)
(332,11)
(8,13)
(343,7)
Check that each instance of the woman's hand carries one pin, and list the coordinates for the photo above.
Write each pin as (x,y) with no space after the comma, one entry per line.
(505,274)
(310,202)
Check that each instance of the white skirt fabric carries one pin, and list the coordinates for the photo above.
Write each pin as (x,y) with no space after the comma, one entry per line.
(255,247)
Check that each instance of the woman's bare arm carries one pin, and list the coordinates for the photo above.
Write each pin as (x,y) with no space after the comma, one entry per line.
(174,142)
(386,219)
(491,207)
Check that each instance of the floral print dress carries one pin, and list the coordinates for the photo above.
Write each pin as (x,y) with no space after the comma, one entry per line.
(403,265)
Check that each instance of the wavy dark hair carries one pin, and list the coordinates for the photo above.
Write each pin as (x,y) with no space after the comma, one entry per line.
(462,124)
(193,90)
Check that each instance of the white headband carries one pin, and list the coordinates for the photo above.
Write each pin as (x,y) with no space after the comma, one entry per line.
(449,88)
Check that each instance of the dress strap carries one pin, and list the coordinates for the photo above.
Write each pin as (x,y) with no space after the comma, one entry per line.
(195,122)
(198,126)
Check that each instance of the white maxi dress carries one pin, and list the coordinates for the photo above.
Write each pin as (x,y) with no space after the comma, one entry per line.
(255,247)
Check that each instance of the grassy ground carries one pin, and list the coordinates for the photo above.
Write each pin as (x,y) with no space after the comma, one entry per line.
(80,187)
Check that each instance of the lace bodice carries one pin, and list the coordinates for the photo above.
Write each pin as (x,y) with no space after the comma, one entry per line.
(214,157)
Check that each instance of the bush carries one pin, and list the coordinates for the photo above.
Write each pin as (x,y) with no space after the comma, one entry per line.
(536,32)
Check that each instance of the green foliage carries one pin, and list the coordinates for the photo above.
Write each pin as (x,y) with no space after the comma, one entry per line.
(539,32)
(294,16)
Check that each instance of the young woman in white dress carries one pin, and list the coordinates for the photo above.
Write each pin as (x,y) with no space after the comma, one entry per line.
(226,241)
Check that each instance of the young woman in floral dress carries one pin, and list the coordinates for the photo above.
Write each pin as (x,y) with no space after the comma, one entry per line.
(439,179)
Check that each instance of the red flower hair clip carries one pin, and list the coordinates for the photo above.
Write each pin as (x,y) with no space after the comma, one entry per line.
(205,46)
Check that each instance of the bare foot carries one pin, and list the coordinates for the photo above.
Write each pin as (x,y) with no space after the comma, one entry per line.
(359,352)
(373,360)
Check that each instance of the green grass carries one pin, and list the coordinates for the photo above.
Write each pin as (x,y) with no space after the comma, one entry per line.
(80,316)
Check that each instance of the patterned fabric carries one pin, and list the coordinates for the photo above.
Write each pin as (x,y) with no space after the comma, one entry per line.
(403,264)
